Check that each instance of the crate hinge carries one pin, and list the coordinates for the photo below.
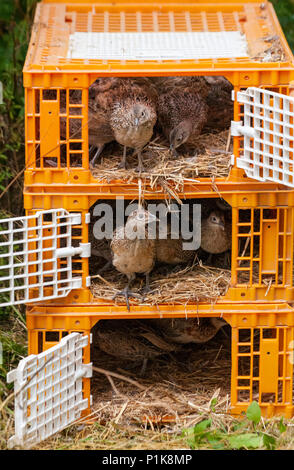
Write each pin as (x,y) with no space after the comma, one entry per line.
(76,218)
(84,372)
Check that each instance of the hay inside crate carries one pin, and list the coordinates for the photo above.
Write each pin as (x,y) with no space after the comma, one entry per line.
(176,389)
(213,160)
(195,283)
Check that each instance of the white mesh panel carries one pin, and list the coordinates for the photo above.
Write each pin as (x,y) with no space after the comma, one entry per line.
(36,253)
(157,46)
(268,136)
(48,391)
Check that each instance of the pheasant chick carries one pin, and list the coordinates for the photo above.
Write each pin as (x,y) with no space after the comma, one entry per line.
(182,109)
(190,330)
(132,251)
(134,116)
(131,341)
(216,234)
(170,250)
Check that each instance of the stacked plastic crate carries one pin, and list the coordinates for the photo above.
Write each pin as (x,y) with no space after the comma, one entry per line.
(67,52)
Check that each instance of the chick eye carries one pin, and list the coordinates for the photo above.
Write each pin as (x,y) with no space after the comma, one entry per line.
(143,113)
(214,219)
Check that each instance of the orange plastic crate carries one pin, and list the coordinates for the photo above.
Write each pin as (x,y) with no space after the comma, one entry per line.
(261,351)
(48,68)
(55,21)
(262,245)
(258,303)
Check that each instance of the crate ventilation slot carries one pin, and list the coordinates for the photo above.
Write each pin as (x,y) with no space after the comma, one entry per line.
(157,46)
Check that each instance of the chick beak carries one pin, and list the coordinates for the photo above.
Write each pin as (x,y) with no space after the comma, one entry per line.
(136,122)
(222,225)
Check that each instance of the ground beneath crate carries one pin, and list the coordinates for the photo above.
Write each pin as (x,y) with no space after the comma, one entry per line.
(197,283)
(211,158)
(176,387)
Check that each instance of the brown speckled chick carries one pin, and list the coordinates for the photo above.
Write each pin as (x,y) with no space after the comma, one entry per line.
(190,330)
(132,251)
(216,233)
(182,109)
(133,115)
(170,250)
(220,104)
(131,341)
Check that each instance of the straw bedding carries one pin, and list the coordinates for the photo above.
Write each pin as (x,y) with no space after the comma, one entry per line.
(180,285)
(212,160)
(177,387)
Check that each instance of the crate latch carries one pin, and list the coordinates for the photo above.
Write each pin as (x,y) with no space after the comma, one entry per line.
(238,129)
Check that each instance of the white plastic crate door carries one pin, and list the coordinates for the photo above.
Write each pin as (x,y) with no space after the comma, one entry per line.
(267,153)
(48,391)
(36,254)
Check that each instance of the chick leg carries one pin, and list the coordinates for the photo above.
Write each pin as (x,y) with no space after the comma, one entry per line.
(147,288)
(144,367)
(227,260)
(123,163)
(98,152)
(140,168)
(126,293)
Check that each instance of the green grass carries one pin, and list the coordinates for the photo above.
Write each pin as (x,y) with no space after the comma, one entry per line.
(13,337)
(15,24)
(214,431)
